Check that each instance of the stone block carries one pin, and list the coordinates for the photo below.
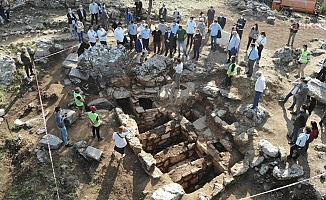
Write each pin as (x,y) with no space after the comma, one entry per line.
(267,148)
(263,169)
(53,141)
(171,191)
(100,103)
(134,144)
(76,73)
(257,161)
(93,153)
(239,168)
(140,110)
(147,161)
(71,116)
(289,172)
(200,124)
(283,154)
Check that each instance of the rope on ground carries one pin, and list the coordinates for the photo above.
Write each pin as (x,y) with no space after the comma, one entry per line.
(43,116)
(286,186)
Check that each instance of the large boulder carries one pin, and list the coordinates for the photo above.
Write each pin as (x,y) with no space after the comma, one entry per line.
(101,103)
(154,71)
(53,141)
(106,64)
(45,47)
(258,115)
(289,172)
(285,56)
(7,69)
(171,191)
(267,148)
(317,89)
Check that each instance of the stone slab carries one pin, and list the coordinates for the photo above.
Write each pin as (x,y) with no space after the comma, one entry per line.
(93,153)
(53,140)
(76,73)
(69,64)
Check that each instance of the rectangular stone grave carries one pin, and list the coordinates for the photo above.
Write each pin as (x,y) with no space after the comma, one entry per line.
(93,153)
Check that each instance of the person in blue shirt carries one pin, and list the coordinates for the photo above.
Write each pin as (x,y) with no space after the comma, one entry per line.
(214,28)
(59,120)
(129,17)
(253,56)
(241,24)
(174,28)
(146,32)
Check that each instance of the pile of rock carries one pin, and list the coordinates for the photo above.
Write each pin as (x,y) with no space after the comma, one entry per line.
(285,58)
(105,64)
(257,115)
(254,8)
(7,69)
(45,47)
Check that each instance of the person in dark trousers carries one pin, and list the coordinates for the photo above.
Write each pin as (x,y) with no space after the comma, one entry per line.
(252,58)
(27,61)
(301,96)
(157,39)
(322,73)
(3,15)
(322,121)
(294,27)
(210,17)
(300,143)
(232,71)
(95,122)
(94,10)
(261,42)
(132,32)
(168,38)
(81,12)
(83,46)
(162,13)
(197,44)
(72,19)
(253,35)
(299,122)
(139,7)
(313,135)
(221,20)
(120,141)
(241,24)
(312,102)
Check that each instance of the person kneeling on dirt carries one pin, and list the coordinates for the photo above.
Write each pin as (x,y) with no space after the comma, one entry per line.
(83,46)
(299,145)
(120,140)
(232,71)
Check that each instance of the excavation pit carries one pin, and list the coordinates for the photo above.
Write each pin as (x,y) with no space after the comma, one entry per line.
(126,105)
(219,147)
(192,115)
(146,103)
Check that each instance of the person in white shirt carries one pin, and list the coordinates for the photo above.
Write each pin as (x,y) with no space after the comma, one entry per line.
(91,35)
(120,140)
(261,42)
(191,25)
(260,86)
(119,34)
(300,143)
(93,9)
(178,72)
(101,33)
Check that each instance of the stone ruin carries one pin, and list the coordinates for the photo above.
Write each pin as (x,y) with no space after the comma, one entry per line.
(199,146)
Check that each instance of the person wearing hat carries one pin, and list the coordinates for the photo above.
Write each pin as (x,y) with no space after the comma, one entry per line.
(95,122)
(260,86)
(80,31)
(79,101)
(59,120)
(83,46)
(27,61)
(120,140)
(162,12)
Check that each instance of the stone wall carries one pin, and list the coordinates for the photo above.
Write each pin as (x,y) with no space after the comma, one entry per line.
(174,154)
(164,135)
(189,173)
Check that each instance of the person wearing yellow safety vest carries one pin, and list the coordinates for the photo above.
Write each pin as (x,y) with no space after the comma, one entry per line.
(95,122)
(79,101)
(304,59)
(232,71)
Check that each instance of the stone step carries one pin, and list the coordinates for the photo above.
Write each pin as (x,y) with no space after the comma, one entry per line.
(71,61)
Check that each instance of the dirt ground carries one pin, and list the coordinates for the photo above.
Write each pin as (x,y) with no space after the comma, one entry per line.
(114,179)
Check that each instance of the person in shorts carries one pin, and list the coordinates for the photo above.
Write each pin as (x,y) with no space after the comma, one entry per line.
(120,140)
